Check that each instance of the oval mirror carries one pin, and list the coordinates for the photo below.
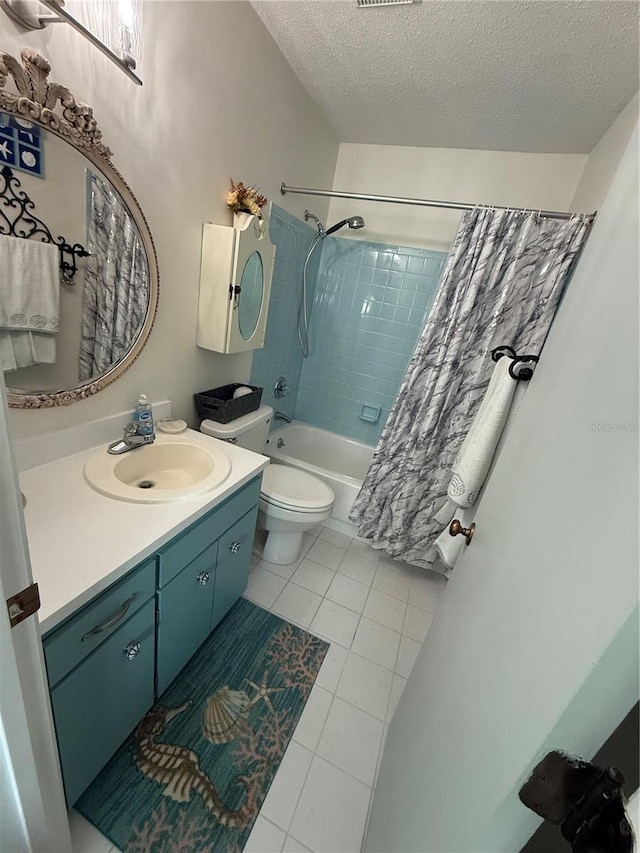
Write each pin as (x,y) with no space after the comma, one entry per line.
(77,250)
(251,292)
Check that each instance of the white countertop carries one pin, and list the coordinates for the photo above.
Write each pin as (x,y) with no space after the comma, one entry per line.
(80,541)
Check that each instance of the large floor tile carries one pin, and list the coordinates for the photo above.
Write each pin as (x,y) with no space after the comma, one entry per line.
(397,688)
(85,838)
(313,576)
(377,643)
(365,684)
(351,740)
(364,550)
(426,589)
(332,810)
(313,717)
(336,623)
(332,667)
(339,539)
(357,568)
(407,656)
(264,587)
(282,798)
(385,609)
(394,579)
(297,604)
(307,542)
(277,569)
(416,623)
(292,845)
(348,592)
(326,554)
(264,838)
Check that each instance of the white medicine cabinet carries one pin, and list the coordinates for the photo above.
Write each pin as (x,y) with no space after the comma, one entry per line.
(235,283)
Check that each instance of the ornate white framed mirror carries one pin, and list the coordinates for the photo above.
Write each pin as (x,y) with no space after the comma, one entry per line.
(79,279)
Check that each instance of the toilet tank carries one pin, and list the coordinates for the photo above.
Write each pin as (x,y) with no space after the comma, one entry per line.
(250,431)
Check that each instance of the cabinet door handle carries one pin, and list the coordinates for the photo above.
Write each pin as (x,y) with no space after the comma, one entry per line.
(120,614)
(131,650)
(203,578)
(234,547)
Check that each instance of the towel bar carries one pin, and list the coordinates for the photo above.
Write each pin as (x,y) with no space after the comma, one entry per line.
(523,374)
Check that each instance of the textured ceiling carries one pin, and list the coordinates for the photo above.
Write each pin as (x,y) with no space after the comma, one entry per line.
(518,75)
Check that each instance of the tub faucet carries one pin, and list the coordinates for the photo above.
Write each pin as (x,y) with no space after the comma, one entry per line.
(131,439)
(280,416)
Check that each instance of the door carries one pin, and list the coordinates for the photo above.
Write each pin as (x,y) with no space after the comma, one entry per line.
(33,814)
(234,563)
(535,645)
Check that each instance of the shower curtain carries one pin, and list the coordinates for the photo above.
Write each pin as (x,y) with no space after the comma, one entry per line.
(116,287)
(501,285)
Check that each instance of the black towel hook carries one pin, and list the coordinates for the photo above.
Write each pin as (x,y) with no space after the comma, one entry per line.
(517,372)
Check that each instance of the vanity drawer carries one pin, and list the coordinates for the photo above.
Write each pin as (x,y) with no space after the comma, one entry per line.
(66,647)
(102,700)
(200,535)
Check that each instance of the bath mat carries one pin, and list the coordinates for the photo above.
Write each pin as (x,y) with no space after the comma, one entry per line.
(193,775)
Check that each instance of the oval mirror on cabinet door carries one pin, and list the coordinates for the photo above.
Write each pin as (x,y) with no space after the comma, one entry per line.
(251,295)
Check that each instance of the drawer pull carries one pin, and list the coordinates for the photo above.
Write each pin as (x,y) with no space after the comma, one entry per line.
(131,650)
(120,614)
(203,578)
(234,547)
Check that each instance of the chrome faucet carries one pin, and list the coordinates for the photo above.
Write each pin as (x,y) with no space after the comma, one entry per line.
(131,439)
(280,416)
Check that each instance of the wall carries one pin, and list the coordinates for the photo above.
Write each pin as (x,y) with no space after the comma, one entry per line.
(535,644)
(451,174)
(604,159)
(370,306)
(281,354)
(218,100)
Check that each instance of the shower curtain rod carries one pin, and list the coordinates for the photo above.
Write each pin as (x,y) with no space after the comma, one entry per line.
(422,202)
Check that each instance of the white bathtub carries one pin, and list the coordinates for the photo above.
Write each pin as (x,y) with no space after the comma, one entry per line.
(341,462)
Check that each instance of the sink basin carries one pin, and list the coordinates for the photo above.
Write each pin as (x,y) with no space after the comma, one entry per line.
(171,469)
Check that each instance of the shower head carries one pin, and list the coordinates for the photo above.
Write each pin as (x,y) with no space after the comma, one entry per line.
(354,222)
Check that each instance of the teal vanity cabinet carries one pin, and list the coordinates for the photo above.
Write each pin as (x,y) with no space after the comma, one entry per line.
(201,575)
(100,665)
(108,662)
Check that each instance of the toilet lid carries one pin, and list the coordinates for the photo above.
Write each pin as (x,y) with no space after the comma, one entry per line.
(291,487)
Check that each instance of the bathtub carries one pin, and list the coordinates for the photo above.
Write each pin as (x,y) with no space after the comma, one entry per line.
(341,462)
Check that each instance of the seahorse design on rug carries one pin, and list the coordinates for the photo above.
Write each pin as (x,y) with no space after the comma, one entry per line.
(178,769)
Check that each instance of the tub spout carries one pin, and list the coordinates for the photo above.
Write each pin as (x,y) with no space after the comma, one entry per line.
(280,416)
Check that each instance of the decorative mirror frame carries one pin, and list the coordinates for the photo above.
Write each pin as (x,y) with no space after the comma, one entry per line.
(37,100)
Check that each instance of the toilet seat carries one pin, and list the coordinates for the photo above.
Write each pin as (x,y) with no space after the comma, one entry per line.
(292,489)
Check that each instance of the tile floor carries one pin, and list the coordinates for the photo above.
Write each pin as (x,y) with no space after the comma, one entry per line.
(375,612)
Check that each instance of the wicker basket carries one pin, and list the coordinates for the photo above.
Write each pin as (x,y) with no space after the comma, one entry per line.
(219,404)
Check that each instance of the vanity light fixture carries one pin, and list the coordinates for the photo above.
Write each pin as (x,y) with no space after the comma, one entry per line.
(120,21)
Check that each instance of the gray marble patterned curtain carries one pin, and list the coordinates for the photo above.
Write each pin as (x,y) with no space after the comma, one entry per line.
(116,287)
(501,285)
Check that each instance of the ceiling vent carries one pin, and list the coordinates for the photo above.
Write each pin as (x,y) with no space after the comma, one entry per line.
(370,4)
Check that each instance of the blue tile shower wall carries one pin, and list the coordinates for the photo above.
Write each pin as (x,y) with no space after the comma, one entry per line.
(370,305)
(281,355)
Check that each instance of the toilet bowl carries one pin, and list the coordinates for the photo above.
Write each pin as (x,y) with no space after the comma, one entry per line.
(291,500)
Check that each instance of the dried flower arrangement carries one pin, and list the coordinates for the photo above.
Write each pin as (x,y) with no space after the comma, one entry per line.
(245,199)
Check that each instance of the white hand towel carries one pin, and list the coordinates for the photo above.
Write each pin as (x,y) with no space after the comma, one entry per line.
(29,285)
(477,451)
(24,349)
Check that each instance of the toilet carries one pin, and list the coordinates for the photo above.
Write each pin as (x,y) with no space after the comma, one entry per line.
(291,500)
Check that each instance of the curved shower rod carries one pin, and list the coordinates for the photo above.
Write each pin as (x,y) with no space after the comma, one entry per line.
(423,202)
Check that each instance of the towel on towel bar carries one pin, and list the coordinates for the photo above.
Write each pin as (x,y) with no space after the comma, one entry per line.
(475,456)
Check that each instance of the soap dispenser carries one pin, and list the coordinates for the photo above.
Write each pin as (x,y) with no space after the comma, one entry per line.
(143,415)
